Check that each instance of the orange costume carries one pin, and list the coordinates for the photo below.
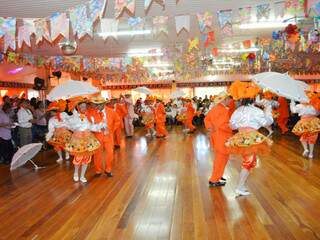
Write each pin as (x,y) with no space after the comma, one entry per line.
(283,114)
(160,115)
(190,112)
(105,137)
(218,121)
(121,111)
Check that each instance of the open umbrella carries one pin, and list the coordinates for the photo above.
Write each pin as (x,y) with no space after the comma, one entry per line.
(25,154)
(144,90)
(71,88)
(177,94)
(282,85)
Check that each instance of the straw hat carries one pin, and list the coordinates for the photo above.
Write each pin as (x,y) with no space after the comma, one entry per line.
(98,100)
(220,97)
(73,102)
(268,95)
(240,90)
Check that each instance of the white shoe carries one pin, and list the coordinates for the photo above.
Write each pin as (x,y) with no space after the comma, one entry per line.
(148,135)
(185,130)
(83,180)
(76,178)
(242,193)
(305,153)
(67,156)
(59,160)
(310,156)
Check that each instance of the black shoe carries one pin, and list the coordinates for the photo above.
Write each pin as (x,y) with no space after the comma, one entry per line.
(116,146)
(97,174)
(223,179)
(216,184)
(109,174)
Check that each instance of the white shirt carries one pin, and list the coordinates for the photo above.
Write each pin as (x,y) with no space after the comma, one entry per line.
(267,103)
(24,116)
(250,117)
(303,110)
(130,107)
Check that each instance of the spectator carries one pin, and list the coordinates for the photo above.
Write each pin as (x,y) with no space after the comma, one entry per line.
(40,122)
(25,120)
(6,147)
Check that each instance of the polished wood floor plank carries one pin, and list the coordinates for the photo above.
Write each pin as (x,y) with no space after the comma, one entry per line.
(160,191)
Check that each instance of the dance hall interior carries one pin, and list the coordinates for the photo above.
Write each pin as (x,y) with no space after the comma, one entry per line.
(159,119)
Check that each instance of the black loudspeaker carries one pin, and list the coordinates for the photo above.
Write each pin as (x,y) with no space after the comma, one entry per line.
(84,79)
(38,83)
(57,74)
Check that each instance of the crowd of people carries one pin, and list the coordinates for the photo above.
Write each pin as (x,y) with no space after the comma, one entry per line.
(91,128)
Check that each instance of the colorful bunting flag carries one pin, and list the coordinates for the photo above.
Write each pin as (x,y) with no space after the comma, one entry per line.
(263,11)
(205,20)
(314,8)
(109,25)
(147,3)
(42,30)
(295,7)
(160,24)
(208,39)
(182,22)
(80,22)
(25,31)
(120,5)
(59,25)
(96,9)
(225,22)
(279,9)
(8,30)
(245,14)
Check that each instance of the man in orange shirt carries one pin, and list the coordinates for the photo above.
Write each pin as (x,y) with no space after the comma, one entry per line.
(101,114)
(160,113)
(121,111)
(217,122)
(283,114)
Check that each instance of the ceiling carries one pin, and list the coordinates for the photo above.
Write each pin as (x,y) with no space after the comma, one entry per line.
(110,48)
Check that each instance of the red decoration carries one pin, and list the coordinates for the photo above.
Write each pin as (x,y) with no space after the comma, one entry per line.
(246,44)
(251,56)
(214,52)
(210,39)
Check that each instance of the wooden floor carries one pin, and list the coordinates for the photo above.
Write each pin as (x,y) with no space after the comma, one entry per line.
(160,191)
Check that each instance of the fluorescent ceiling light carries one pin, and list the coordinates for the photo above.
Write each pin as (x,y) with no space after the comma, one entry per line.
(159,64)
(145,52)
(258,25)
(125,33)
(230,50)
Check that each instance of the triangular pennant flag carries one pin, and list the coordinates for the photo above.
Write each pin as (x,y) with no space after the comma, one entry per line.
(205,20)
(8,30)
(96,9)
(120,5)
(80,22)
(24,34)
(160,24)
(109,25)
(59,25)
(41,30)
(182,22)
(147,3)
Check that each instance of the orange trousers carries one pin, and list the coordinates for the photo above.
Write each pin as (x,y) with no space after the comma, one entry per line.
(282,123)
(309,138)
(161,129)
(107,146)
(219,164)
(249,161)
(117,137)
(189,125)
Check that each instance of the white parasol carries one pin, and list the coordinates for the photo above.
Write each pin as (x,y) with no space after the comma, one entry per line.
(144,90)
(71,88)
(25,154)
(177,94)
(282,85)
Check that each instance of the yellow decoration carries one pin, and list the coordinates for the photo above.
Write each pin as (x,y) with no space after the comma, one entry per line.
(193,44)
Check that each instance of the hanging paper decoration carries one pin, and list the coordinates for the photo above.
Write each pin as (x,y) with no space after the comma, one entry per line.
(245,14)
(279,9)
(71,63)
(214,52)
(13,57)
(115,63)
(24,36)
(147,3)
(8,30)
(160,24)
(120,5)
(88,64)
(96,9)
(59,25)
(314,8)
(246,44)
(205,20)
(136,22)
(225,22)
(109,25)
(42,30)
(80,22)
(193,44)
(102,63)
(292,33)
(263,11)
(28,59)
(208,39)
(295,7)
(182,22)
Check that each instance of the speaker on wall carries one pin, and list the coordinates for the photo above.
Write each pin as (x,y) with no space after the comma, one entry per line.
(57,74)
(38,83)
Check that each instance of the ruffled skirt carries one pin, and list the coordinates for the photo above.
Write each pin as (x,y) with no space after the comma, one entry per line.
(82,144)
(60,138)
(248,142)
(182,117)
(148,120)
(305,126)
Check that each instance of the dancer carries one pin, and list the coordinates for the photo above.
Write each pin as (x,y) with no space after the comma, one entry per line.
(309,125)
(106,117)
(148,116)
(121,110)
(83,143)
(160,115)
(248,142)
(217,122)
(58,134)
(186,116)
(128,120)
(283,117)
